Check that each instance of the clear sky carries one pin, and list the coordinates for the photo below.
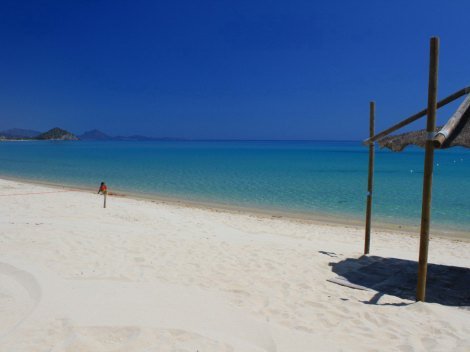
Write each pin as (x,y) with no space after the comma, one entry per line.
(225,69)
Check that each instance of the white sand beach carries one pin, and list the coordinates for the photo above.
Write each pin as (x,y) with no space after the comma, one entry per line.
(146,275)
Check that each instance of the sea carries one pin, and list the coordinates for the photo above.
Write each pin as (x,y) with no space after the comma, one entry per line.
(318,178)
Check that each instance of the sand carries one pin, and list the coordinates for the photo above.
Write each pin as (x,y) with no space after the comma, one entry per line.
(146,275)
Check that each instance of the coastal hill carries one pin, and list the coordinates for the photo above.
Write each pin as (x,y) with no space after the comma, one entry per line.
(94,135)
(57,134)
(24,134)
(61,134)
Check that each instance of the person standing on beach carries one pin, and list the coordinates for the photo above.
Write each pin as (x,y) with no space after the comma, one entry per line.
(103,189)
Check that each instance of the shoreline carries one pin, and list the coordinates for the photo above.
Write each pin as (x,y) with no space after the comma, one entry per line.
(299,217)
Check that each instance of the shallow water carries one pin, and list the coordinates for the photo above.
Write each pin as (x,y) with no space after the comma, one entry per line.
(289,176)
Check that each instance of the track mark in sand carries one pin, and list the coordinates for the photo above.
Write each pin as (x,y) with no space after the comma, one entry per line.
(20,294)
(115,312)
(129,339)
(193,311)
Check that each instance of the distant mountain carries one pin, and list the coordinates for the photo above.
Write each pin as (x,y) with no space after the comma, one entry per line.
(57,134)
(19,133)
(94,135)
(60,134)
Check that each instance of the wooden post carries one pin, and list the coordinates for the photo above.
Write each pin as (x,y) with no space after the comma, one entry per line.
(428,168)
(105,194)
(370,180)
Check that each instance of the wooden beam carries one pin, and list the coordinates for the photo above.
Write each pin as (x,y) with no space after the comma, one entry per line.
(417,116)
(453,122)
(428,169)
(370,180)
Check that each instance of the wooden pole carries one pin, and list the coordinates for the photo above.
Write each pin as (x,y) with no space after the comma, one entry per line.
(105,195)
(370,180)
(428,168)
(452,124)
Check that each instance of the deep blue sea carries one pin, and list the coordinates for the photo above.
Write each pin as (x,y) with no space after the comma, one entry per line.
(289,176)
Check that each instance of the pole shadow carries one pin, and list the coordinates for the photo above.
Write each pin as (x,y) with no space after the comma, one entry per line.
(446,285)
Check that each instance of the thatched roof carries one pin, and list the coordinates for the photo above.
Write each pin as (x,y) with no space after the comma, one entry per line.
(399,142)
(455,133)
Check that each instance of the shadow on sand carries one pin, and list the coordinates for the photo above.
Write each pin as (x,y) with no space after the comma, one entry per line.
(446,285)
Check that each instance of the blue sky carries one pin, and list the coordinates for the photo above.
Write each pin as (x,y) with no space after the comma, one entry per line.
(225,69)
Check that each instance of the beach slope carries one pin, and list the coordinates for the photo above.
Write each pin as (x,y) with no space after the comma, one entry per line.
(146,275)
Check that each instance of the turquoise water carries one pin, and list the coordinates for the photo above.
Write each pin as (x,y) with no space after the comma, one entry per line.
(308,177)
